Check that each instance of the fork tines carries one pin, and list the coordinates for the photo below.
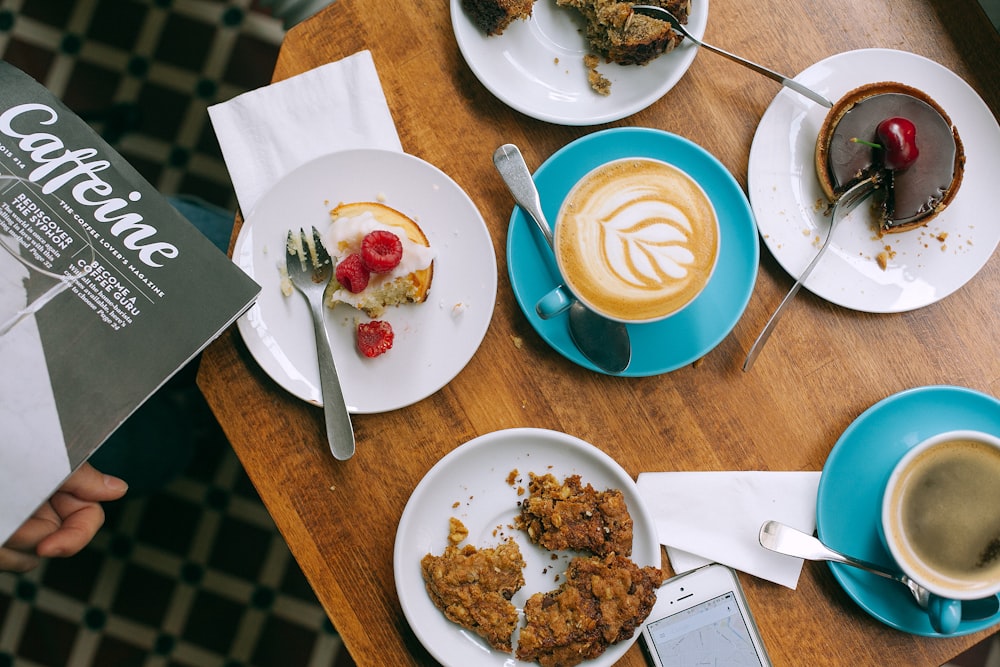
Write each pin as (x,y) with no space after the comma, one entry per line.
(309,249)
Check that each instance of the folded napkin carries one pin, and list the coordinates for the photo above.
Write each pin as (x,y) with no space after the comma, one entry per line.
(268,132)
(716,517)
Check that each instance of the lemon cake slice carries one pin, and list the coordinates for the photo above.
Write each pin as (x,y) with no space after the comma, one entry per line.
(358,242)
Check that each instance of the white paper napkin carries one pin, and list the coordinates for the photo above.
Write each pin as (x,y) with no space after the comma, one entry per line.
(716,517)
(268,132)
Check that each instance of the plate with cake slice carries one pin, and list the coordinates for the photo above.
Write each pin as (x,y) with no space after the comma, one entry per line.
(436,298)
(503,543)
(921,236)
(546,59)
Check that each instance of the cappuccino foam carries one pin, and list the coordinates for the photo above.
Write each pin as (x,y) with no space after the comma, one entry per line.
(637,239)
(949,513)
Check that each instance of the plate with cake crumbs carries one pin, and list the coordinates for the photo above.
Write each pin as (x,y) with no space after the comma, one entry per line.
(432,339)
(465,516)
(861,271)
(538,66)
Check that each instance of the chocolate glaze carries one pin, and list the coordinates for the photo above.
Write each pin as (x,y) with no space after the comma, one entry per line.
(913,192)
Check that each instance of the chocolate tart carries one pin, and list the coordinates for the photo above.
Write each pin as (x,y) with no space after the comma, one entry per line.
(907,198)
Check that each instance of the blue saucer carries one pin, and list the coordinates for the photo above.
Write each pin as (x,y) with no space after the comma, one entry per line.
(849,502)
(666,345)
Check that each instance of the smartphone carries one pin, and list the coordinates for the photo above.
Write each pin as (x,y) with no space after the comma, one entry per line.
(701,617)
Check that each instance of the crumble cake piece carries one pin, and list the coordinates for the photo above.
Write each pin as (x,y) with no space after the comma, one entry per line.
(569,515)
(473,587)
(601,602)
(622,36)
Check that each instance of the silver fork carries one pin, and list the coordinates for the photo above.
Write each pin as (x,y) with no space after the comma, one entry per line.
(310,269)
(844,204)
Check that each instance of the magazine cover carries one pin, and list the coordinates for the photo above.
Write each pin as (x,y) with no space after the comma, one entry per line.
(105,292)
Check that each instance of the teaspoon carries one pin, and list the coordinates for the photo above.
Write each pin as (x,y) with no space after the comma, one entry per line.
(784,539)
(664,15)
(604,342)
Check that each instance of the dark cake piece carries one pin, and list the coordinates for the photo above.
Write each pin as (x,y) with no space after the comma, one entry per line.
(493,16)
(627,38)
(568,515)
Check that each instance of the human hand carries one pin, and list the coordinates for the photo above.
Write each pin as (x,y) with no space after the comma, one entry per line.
(66,523)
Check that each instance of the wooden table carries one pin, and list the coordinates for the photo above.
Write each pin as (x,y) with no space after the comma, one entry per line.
(824,366)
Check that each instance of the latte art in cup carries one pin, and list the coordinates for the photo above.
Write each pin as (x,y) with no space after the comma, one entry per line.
(637,239)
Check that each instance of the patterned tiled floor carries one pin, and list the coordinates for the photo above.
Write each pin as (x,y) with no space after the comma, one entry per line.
(192,575)
(143,72)
(189,570)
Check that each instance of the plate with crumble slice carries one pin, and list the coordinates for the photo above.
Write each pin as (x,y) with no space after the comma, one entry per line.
(536,66)
(481,484)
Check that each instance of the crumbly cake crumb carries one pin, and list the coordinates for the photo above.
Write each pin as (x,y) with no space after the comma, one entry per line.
(457,532)
(569,515)
(473,587)
(601,602)
(597,81)
(882,259)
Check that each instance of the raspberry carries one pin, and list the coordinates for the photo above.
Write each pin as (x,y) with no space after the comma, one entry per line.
(352,274)
(374,338)
(381,251)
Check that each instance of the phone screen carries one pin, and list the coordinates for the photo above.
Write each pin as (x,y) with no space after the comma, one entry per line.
(713,632)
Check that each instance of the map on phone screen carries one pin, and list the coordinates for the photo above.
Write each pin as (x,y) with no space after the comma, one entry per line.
(711,633)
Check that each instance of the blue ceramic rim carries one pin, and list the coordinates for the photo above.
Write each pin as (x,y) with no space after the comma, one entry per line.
(860,586)
(736,220)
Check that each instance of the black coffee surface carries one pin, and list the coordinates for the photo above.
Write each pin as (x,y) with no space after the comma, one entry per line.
(951,509)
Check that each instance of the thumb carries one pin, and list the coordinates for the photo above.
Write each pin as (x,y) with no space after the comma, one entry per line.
(87,483)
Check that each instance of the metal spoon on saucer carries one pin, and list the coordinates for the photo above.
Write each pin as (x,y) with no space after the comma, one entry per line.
(784,539)
(664,15)
(604,342)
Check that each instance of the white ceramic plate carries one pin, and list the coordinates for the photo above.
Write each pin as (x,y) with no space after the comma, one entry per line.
(785,193)
(536,66)
(470,484)
(433,340)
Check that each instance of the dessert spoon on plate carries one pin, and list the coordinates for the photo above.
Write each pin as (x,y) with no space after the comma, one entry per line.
(604,342)
(664,15)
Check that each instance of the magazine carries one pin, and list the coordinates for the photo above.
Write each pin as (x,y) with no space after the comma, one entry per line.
(106,291)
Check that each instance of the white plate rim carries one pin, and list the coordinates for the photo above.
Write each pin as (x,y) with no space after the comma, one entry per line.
(423,528)
(553,36)
(459,307)
(785,195)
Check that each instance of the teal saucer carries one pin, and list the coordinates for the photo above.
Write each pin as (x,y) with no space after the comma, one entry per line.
(681,339)
(848,505)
